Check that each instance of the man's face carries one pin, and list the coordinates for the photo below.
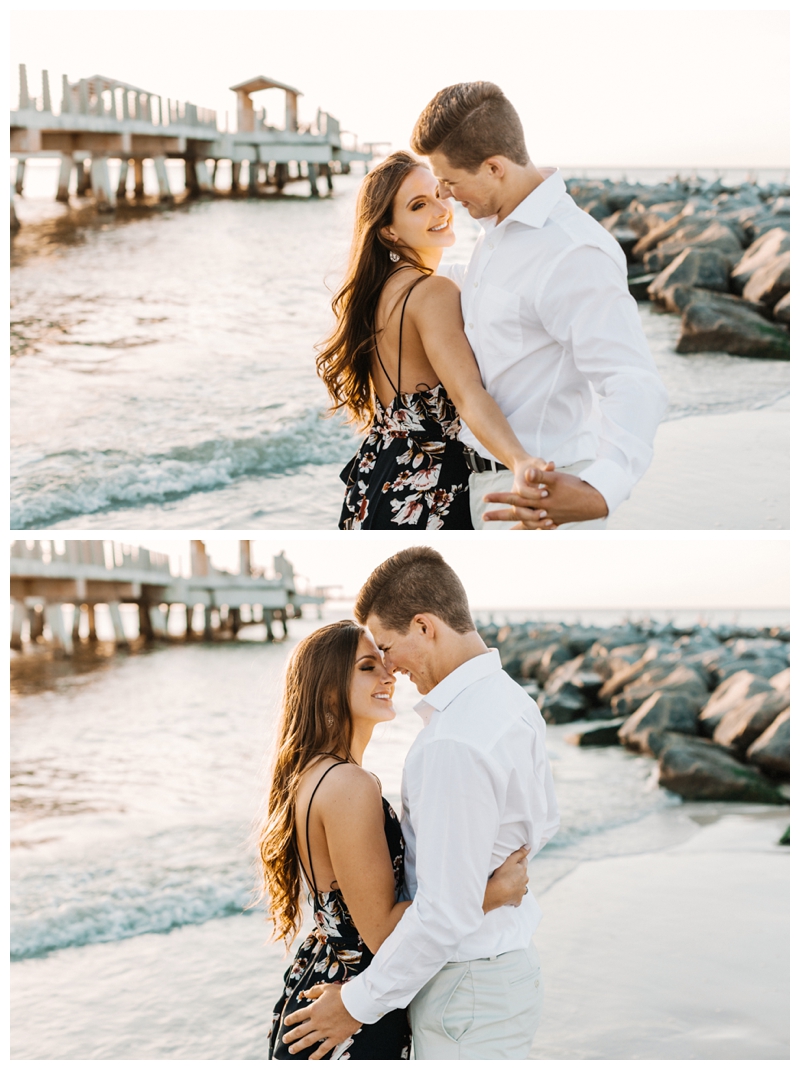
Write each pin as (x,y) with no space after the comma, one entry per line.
(411,654)
(479,193)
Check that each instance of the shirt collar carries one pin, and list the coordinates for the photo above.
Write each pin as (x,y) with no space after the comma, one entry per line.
(535,209)
(467,673)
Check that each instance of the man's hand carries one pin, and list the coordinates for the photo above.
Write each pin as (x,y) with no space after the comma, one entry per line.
(325,1022)
(549,498)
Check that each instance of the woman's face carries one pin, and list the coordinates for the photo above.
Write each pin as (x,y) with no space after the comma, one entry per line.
(372,687)
(421,219)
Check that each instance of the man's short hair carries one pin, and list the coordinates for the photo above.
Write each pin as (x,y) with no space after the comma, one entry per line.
(469,122)
(417,580)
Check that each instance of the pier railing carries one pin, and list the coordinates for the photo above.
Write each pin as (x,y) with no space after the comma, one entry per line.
(45,577)
(101,119)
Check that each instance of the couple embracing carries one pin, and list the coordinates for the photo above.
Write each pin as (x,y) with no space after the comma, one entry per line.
(523,379)
(429,913)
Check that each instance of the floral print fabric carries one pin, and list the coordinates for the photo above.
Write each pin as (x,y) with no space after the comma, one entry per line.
(332,953)
(410,471)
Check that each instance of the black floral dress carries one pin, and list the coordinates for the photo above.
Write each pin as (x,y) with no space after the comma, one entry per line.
(410,470)
(333,952)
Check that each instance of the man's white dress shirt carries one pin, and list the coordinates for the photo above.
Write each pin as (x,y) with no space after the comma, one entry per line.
(559,342)
(476,786)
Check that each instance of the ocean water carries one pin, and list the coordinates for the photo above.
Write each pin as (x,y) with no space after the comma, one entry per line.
(163,361)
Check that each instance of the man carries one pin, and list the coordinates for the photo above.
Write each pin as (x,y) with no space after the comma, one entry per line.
(476,786)
(546,307)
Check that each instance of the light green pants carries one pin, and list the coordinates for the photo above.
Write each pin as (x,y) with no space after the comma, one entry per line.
(483,1009)
(481,483)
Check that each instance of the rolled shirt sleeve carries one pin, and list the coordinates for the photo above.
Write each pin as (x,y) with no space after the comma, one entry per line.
(599,325)
(457,817)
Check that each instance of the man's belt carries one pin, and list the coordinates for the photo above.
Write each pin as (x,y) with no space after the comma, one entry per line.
(480,464)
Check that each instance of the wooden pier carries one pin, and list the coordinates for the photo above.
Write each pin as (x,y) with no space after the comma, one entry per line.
(101,119)
(88,573)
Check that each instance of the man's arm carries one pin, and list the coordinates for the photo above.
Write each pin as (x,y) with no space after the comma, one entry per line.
(585,306)
(457,817)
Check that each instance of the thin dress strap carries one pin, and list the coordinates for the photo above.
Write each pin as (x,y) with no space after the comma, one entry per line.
(313,882)
(399,343)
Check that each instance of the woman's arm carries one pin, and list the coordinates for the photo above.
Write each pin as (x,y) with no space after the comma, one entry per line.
(508,883)
(435,308)
(352,815)
(351,811)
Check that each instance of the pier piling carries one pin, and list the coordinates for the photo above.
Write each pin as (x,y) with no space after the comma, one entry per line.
(20,179)
(138,178)
(84,183)
(64,174)
(122,181)
(104,197)
(160,163)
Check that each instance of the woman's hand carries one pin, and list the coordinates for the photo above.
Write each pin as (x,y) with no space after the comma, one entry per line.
(508,883)
(527,485)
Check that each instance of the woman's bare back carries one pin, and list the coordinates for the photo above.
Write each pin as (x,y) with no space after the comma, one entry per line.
(416,371)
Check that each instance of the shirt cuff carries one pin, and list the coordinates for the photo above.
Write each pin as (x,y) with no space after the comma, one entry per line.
(358,1003)
(612,481)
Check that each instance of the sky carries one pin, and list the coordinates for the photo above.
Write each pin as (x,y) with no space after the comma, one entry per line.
(594,88)
(565,573)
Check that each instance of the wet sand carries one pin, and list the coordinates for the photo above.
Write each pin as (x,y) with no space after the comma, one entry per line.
(725,471)
(674,953)
(681,953)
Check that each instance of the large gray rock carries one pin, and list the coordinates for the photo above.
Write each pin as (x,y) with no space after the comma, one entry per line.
(698,769)
(627,674)
(706,268)
(723,323)
(681,678)
(770,752)
(697,234)
(668,229)
(563,707)
(728,696)
(781,679)
(672,711)
(575,676)
(763,250)
(759,226)
(770,282)
(781,310)
(743,725)
(766,666)
(604,735)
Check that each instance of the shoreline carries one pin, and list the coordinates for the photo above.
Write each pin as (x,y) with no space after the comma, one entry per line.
(642,958)
(715,471)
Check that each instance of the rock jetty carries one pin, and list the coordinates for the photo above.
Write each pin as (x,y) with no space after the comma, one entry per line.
(710,704)
(717,255)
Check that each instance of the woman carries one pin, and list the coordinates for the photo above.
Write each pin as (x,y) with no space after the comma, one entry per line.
(399,359)
(329,826)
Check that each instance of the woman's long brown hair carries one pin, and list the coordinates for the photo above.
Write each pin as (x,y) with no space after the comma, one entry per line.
(315,720)
(344,359)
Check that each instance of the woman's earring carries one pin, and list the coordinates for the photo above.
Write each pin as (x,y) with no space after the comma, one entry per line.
(329,721)
(394,257)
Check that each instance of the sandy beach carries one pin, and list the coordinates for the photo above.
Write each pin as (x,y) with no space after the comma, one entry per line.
(681,953)
(717,471)
(674,951)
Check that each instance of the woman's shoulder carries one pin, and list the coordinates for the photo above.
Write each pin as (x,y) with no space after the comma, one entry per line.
(436,289)
(339,782)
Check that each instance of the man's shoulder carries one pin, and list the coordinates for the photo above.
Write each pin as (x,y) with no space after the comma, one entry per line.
(488,711)
(568,227)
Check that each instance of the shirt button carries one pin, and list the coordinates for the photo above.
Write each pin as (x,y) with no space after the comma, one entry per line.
(470,326)
(475,285)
